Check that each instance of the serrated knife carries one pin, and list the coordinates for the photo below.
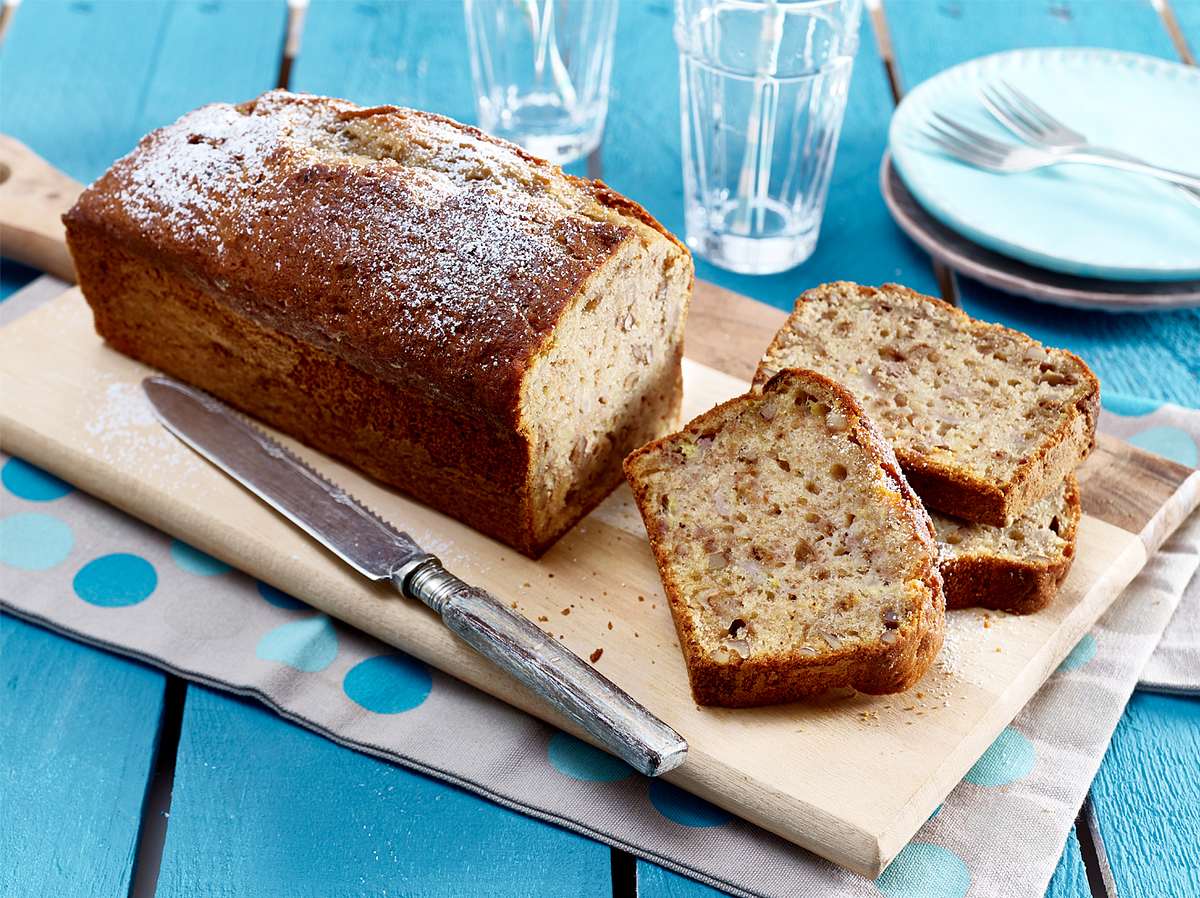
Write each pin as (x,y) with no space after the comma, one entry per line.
(378,551)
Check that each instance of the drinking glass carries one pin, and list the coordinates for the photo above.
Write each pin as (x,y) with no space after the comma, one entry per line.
(541,70)
(763,88)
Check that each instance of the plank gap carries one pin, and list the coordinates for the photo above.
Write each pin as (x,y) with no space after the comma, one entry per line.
(156,809)
(947,282)
(883,42)
(1091,850)
(946,279)
(7,8)
(1171,23)
(624,874)
(292,38)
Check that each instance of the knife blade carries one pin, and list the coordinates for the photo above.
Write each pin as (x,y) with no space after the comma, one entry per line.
(379,551)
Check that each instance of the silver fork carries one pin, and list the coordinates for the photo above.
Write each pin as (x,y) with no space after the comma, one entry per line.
(1033,124)
(970,146)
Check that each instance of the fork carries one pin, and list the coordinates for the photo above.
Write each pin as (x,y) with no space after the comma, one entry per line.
(1033,124)
(970,146)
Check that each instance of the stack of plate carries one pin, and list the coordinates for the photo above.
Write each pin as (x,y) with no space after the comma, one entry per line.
(1076,235)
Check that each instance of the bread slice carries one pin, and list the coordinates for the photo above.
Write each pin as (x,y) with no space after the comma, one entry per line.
(985,420)
(1016,568)
(793,552)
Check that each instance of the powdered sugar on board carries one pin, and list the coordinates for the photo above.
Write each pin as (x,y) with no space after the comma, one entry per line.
(128,435)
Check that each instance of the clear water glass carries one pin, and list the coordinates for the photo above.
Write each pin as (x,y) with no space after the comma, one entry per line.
(763,87)
(541,70)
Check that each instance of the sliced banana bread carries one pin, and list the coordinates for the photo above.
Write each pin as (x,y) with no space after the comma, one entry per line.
(1017,568)
(793,552)
(985,420)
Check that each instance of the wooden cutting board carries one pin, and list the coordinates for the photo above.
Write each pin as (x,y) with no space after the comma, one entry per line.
(850,777)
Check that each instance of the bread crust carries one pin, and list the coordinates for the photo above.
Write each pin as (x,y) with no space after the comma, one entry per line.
(875,668)
(1018,586)
(347,298)
(952,490)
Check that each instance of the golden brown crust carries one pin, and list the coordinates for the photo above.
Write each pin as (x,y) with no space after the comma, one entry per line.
(953,490)
(1018,586)
(874,668)
(381,308)
(360,255)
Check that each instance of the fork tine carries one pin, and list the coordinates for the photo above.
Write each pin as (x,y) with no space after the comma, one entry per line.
(1030,107)
(954,151)
(971,134)
(1005,110)
(960,148)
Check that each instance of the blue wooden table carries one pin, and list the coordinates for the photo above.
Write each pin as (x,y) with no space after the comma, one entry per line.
(119,779)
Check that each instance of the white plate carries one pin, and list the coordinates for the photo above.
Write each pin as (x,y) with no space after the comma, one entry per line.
(1075,219)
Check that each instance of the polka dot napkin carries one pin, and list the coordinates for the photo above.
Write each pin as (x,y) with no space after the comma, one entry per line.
(78,566)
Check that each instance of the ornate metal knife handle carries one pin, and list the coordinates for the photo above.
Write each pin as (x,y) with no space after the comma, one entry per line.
(572,686)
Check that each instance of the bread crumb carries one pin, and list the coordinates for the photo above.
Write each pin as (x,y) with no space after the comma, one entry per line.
(565,612)
(610,625)
(595,656)
(543,618)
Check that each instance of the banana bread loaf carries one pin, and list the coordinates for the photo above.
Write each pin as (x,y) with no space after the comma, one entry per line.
(985,420)
(794,555)
(1017,568)
(425,302)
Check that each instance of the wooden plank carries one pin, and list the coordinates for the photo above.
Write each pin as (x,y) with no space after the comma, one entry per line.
(173,57)
(1147,798)
(80,728)
(58,422)
(1069,880)
(1148,354)
(375,51)
(263,807)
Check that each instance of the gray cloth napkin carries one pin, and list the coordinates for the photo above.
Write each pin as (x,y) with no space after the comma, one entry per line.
(1175,433)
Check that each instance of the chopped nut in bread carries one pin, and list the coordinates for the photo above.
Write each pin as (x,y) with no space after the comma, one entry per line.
(1017,568)
(985,420)
(793,552)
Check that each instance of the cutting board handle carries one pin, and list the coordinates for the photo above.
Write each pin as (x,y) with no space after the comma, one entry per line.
(33,197)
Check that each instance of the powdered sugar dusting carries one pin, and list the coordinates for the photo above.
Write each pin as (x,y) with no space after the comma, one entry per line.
(414,248)
(126,433)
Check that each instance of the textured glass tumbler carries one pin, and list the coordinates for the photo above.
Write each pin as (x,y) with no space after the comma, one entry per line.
(763,88)
(541,70)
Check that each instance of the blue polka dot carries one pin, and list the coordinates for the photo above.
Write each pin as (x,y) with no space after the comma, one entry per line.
(34,542)
(683,807)
(578,760)
(388,684)
(114,581)
(1129,406)
(196,562)
(309,645)
(1007,760)
(1170,442)
(924,870)
(279,598)
(1084,651)
(30,482)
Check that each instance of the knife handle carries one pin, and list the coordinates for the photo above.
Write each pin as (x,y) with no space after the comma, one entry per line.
(573,687)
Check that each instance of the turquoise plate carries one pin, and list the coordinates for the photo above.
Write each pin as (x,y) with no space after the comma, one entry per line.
(1076,219)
